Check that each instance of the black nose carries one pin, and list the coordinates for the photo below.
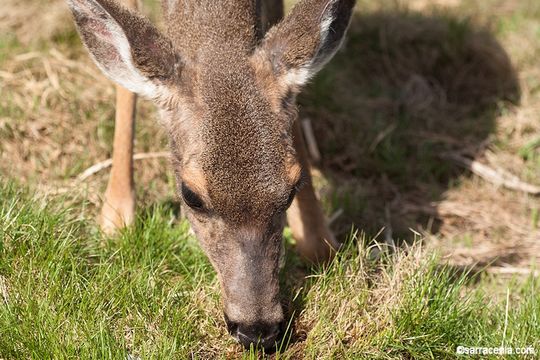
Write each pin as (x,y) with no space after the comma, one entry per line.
(259,334)
(262,335)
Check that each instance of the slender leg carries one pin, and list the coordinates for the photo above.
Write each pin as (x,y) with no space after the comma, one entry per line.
(314,239)
(119,202)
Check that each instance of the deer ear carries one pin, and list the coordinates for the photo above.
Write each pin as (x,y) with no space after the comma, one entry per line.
(125,46)
(302,43)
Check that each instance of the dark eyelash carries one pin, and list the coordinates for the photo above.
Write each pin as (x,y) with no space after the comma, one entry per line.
(296,188)
(290,199)
(302,181)
(191,199)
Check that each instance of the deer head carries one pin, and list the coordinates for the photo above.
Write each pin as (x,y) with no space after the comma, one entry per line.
(226,96)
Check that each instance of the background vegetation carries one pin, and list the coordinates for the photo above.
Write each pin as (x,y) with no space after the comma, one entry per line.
(416,84)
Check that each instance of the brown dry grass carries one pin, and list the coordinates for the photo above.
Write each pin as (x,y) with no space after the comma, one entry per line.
(411,86)
(408,87)
(57,108)
(35,21)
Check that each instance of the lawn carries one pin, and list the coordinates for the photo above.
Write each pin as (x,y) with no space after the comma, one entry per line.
(435,257)
(69,292)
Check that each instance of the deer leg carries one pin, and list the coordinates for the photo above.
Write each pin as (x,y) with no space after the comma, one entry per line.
(314,239)
(119,203)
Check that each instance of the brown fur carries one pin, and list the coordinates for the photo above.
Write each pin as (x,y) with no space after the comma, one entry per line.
(227,94)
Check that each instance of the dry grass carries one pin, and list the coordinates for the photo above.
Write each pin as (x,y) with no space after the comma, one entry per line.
(56,108)
(19,18)
(411,86)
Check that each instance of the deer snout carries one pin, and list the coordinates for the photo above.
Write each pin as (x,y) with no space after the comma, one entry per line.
(259,334)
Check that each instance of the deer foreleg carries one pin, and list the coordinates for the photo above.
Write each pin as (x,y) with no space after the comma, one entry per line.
(314,239)
(119,203)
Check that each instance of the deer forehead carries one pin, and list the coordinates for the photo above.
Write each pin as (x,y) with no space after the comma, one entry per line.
(238,153)
(243,168)
(248,192)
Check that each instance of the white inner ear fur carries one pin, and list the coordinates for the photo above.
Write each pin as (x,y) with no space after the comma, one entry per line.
(123,71)
(127,75)
(325,26)
(300,76)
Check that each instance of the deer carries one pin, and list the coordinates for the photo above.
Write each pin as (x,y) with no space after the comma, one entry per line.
(224,76)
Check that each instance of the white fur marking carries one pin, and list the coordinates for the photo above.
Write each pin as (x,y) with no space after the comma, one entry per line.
(325,26)
(298,77)
(132,80)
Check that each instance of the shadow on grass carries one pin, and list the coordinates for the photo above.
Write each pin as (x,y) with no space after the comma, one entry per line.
(405,90)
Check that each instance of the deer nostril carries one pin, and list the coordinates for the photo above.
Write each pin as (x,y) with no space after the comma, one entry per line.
(259,335)
(232,326)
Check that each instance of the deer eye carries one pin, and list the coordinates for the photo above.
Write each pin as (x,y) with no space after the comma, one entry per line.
(191,199)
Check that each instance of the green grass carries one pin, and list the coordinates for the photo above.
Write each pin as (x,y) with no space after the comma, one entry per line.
(69,292)
(74,293)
